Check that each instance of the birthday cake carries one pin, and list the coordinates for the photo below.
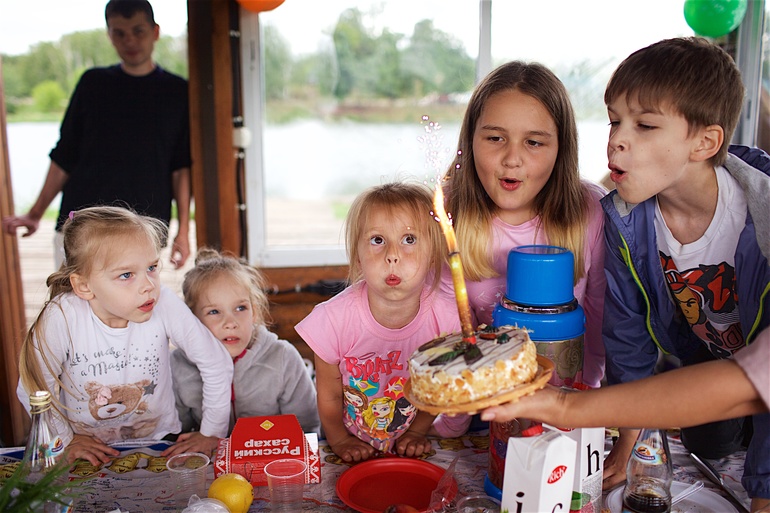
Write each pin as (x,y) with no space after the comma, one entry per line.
(448,371)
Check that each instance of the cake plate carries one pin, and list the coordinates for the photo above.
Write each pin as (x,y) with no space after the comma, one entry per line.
(544,371)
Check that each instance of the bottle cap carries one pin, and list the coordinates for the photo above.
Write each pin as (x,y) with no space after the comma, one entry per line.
(533,430)
(40,398)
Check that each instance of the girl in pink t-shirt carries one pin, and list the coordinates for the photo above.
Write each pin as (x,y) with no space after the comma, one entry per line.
(514,182)
(363,337)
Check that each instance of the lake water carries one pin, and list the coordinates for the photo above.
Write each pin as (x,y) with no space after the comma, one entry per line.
(313,169)
(310,160)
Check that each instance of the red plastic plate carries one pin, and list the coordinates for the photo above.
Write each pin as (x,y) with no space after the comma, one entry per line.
(373,485)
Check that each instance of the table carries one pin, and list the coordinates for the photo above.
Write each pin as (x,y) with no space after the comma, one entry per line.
(137,482)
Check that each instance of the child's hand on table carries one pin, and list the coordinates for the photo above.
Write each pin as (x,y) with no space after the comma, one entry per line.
(412,444)
(352,450)
(193,442)
(91,449)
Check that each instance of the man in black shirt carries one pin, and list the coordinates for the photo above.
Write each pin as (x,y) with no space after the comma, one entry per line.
(124,138)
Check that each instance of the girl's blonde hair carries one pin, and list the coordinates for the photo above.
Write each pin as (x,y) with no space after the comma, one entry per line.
(211,265)
(562,204)
(416,199)
(93,237)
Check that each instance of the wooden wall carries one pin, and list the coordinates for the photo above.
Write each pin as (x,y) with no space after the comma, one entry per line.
(287,309)
(13,418)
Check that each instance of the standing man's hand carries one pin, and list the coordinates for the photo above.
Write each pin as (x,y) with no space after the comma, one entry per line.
(13,223)
(180,185)
(180,250)
(54,183)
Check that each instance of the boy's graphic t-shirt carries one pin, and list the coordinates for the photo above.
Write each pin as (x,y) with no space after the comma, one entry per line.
(372,359)
(701,274)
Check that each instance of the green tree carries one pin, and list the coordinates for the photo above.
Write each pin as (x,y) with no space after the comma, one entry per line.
(353,44)
(278,63)
(171,54)
(13,82)
(86,49)
(317,71)
(45,61)
(49,96)
(438,61)
(385,77)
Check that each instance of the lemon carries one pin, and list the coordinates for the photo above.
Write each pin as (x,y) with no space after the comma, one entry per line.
(234,490)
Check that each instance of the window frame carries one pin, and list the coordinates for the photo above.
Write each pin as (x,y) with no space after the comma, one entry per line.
(748,58)
(252,74)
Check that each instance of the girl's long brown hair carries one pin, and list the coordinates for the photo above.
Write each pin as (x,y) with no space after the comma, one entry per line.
(562,204)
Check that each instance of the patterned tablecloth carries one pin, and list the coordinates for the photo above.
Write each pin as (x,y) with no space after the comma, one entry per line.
(137,481)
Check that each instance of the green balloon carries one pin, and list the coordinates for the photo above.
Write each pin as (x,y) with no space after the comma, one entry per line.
(714,18)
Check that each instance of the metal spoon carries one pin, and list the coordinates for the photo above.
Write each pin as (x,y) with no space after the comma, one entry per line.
(709,471)
(697,485)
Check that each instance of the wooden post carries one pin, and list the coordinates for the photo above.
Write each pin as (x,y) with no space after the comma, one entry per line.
(14,421)
(214,168)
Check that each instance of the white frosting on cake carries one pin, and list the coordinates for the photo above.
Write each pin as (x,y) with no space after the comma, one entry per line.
(508,358)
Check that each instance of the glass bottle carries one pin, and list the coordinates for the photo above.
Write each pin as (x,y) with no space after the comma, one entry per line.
(44,446)
(649,474)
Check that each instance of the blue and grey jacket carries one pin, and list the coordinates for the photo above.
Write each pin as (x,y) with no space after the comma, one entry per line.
(640,314)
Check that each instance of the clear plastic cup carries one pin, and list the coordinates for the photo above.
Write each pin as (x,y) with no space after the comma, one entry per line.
(286,481)
(188,476)
(478,504)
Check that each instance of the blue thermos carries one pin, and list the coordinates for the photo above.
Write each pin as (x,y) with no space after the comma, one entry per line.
(539,297)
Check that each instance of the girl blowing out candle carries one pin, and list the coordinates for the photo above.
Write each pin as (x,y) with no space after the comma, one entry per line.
(363,337)
(515,182)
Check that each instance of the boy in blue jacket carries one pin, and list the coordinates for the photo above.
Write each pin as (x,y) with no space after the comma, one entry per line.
(688,235)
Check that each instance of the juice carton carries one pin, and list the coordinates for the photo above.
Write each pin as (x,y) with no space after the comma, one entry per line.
(539,473)
(256,441)
(589,466)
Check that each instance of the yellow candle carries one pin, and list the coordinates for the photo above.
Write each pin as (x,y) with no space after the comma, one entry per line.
(455,265)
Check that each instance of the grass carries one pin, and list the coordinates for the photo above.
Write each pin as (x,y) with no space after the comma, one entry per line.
(24,114)
(286,111)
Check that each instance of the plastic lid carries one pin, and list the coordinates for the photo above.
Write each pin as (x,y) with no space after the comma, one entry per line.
(540,275)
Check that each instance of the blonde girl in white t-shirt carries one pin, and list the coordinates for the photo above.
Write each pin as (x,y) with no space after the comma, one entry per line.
(100,345)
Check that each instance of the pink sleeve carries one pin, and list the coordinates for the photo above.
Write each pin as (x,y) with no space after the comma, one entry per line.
(593,301)
(317,331)
(755,362)
(451,426)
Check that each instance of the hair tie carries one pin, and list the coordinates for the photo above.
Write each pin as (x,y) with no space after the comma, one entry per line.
(71,215)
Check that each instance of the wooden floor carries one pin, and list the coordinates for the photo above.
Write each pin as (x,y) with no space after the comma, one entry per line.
(36,253)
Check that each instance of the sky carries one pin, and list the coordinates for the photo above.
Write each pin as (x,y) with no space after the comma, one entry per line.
(547,30)
(26,22)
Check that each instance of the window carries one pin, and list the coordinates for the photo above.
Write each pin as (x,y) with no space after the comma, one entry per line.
(583,43)
(348,81)
(346,86)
